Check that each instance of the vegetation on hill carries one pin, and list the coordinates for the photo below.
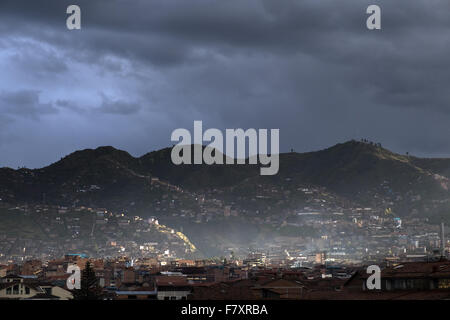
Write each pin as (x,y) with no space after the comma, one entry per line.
(112,178)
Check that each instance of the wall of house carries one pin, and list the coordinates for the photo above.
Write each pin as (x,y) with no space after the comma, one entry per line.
(61,293)
(136,297)
(17,294)
(179,295)
(408,284)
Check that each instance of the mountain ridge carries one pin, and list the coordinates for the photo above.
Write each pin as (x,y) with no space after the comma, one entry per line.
(352,169)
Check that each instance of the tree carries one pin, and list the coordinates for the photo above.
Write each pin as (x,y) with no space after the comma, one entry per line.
(232,256)
(90,289)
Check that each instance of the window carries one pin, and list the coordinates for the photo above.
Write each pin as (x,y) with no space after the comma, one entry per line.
(444,284)
(16,289)
(166,298)
(173,298)
(8,290)
(27,290)
(409,284)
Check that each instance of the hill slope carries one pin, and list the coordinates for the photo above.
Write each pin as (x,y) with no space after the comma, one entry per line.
(112,178)
(211,203)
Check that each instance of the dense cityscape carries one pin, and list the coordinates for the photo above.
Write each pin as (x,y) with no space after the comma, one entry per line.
(253,239)
(224,150)
(356,236)
(253,278)
(137,258)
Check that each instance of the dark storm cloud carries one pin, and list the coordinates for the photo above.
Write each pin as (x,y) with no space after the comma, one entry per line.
(119,107)
(310,68)
(36,59)
(71,106)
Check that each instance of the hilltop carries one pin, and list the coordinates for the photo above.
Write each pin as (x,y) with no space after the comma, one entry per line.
(354,170)
(225,206)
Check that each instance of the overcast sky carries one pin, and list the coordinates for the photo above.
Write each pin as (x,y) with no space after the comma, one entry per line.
(139,69)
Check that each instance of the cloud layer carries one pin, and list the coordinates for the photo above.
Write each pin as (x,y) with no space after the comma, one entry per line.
(140,69)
